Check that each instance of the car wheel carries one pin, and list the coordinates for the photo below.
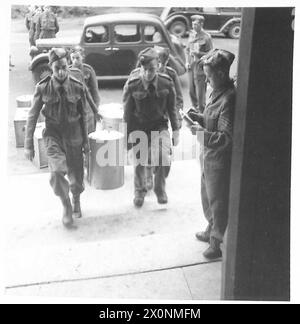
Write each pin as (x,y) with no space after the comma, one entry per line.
(40,72)
(178,28)
(234,31)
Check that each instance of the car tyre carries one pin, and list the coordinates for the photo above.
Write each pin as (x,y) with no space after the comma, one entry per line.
(40,72)
(234,31)
(178,28)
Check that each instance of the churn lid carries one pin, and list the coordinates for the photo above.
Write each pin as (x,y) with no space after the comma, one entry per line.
(106,135)
(111,110)
(25,98)
(22,114)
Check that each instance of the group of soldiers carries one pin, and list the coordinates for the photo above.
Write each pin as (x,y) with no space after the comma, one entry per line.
(152,100)
(41,22)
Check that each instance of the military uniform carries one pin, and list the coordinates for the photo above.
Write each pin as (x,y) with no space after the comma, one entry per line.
(47,25)
(179,97)
(87,76)
(197,86)
(148,107)
(216,157)
(30,27)
(65,133)
(34,23)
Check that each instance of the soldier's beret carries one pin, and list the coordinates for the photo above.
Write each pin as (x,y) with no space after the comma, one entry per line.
(147,55)
(56,54)
(77,49)
(218,58)
(163,52)
(198,17)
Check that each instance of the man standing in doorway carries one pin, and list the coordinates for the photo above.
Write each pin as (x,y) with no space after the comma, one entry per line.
(199,43)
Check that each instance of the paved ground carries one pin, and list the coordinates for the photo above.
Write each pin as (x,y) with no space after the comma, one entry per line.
(120,251)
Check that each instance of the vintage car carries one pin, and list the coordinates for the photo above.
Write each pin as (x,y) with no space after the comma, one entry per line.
(112,43)
(218,21)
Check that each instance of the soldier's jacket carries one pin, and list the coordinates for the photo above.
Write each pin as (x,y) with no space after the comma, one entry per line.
(174,76)
(28,19)
(34,23)
(90,80)
(146,109)
(47,22)
(218,124)
(92,102)
(198,43)
(61,112)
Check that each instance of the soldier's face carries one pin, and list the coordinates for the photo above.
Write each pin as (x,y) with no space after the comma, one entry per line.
(197,25)
(213,77)
(76,59)
(60,69)
(149,70)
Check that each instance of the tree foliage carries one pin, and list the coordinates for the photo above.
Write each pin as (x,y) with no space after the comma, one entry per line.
(19,11)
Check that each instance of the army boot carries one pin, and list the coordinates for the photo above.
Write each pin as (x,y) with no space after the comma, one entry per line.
(213,251)
(162,197)
(205,235)
(67,219)
(138,200)
(76,206)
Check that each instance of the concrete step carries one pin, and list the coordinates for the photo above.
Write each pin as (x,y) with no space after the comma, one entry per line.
(40,265)
(113,237)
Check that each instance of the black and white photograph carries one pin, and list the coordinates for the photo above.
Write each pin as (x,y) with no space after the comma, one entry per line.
(148,152)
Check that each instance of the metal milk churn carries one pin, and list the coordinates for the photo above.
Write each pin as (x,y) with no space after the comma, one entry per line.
(106,165)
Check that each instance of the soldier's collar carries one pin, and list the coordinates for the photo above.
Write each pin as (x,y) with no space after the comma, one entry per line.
(57,84)
(147,83)
(216,93)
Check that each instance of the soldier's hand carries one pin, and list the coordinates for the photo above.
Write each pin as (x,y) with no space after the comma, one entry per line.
(98,116)
(175,138)
(86,148)
(196,128)
(196,116)
(29,154)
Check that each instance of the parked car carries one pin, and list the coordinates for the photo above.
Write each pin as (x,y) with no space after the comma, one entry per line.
(218,21)
(112,42)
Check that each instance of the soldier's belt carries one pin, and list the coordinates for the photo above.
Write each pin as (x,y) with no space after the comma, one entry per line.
(43,29)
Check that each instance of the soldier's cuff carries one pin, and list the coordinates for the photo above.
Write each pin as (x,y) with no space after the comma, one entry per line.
(28,144)
(206,136)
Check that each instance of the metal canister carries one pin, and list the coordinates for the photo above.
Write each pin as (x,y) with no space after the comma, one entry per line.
(106,165)
(112,116)
(24,101)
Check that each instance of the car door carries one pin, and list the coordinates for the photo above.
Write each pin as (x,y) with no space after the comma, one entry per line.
(125,46)
(97,45)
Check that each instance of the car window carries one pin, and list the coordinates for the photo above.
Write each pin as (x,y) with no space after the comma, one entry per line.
(127,33)
(210,10)
(230,9)
(152,34)
(96,34)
